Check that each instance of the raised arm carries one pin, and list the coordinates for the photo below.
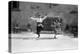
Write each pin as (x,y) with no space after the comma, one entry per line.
(33,18)
(44,17)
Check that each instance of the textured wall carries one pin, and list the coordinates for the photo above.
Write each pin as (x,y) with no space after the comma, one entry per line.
(27,10)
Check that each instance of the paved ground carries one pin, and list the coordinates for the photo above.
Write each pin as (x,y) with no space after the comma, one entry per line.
(27,42)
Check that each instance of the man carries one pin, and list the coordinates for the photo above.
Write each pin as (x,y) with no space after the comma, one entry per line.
(39,19)
(58,26)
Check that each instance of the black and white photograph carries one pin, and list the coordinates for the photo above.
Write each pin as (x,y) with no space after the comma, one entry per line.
(36,26)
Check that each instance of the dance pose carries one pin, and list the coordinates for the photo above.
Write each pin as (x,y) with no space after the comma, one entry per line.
(39,19)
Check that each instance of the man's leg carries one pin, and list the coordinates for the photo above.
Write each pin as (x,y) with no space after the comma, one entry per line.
(55,32)
(38,35)
(38,32)
(55,36)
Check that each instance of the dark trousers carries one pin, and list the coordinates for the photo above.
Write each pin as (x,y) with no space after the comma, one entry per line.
(39,28)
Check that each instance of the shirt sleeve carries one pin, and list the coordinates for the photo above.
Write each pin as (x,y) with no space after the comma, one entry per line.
(33,18)
(44,17)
